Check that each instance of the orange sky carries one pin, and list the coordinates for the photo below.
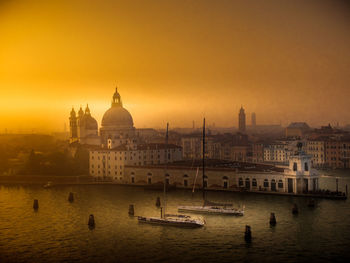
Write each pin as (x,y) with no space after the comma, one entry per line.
(174,61)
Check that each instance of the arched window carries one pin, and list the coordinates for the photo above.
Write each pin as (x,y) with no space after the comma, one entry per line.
(240,182)
(266,183)
(254,183)
(185,180)
(225,182)
(132,177)
(247,183)
(306,167)
(280,184)
(149,178)
(295,166)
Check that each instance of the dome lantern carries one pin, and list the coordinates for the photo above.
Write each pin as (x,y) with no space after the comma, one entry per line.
(117,101)
(87,110)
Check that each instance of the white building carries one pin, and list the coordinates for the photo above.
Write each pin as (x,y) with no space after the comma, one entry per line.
(298,178)
(108,164)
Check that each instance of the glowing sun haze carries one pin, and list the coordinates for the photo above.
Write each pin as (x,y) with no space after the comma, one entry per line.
(174,61)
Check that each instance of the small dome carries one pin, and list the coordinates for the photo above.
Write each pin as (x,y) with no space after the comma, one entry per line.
(117,117)
(88,122)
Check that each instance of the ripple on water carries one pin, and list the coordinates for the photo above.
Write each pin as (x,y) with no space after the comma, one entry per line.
(58,232)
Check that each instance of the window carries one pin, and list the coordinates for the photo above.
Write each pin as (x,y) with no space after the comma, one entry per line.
(280,184)
(185,182)
(254,183)
(132,180)
(266,183)
(295,166)
(306,168)
(240,182)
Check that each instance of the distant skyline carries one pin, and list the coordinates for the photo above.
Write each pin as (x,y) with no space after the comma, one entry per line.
(175,61)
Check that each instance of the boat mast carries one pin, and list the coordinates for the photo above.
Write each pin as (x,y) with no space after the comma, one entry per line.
(165,168)
(203,159)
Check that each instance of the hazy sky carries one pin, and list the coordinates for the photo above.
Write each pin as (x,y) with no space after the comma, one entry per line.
(175,61)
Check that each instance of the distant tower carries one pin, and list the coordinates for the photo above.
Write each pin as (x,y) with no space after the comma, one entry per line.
(73,126)
(241,120)
(253,119)
(192,124)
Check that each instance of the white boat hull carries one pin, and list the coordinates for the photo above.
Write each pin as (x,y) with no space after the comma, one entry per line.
(212,210)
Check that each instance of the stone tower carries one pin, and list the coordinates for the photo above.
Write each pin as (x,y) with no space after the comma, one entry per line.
(73,126)
(241,120)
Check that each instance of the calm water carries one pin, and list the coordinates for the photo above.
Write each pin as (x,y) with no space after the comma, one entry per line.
(58,231)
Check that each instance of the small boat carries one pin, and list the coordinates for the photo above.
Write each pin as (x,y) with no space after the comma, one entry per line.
(222,210)
(48,185)
(173,220)
(211,207)
(168,219)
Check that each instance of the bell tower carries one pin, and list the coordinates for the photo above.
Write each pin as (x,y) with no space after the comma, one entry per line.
(73,126)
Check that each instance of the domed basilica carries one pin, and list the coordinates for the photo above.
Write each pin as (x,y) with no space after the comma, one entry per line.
(117,126)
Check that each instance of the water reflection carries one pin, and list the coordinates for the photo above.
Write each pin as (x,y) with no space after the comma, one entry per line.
(59,230)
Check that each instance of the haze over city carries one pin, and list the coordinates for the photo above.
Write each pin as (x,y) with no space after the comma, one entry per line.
(174,61)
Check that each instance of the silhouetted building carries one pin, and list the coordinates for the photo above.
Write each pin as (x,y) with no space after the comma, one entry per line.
(297,129)
(241,121)
(83,128)
(253,120)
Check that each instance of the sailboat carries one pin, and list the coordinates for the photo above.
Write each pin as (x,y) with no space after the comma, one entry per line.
(208,206)
(171,219)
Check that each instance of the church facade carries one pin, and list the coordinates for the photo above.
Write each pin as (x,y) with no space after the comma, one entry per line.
(116,144)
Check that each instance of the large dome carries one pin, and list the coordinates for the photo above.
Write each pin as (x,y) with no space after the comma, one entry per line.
(117,117)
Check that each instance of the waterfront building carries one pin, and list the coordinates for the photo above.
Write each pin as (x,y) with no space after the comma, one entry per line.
(241,121)
(337,153)
(121,144)
(298,178)
(317,149)
(108,164)
(277,153)
(257,152)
